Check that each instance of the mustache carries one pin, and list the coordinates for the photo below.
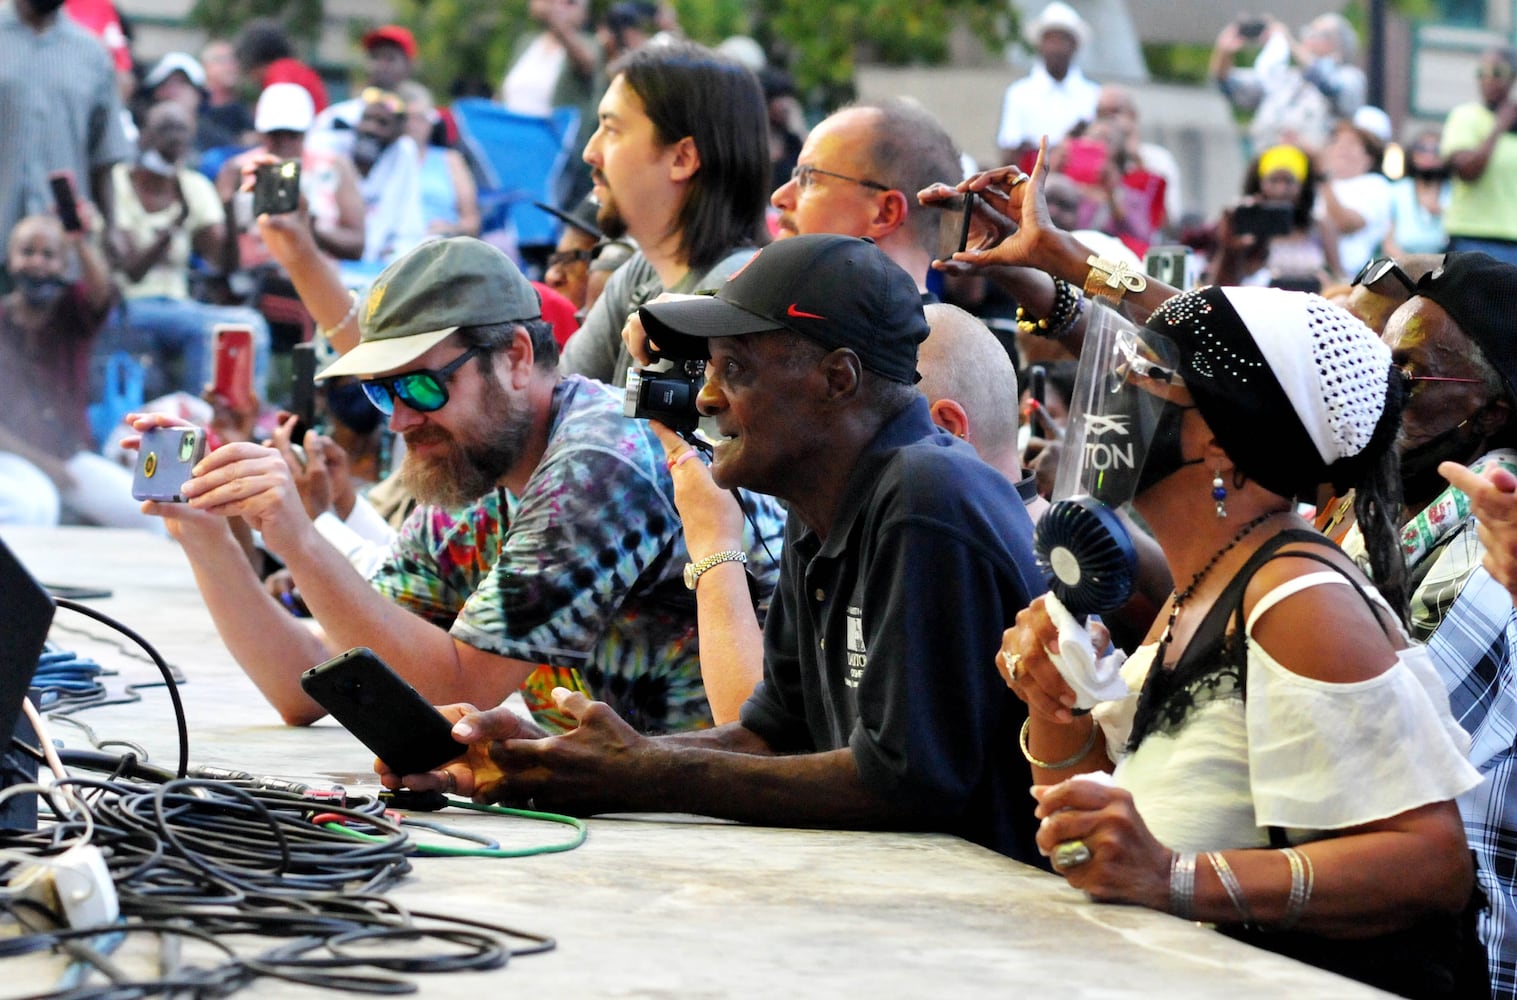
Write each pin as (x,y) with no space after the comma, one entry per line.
(430,434)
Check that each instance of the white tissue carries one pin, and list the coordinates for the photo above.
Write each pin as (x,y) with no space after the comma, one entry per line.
(1093,680)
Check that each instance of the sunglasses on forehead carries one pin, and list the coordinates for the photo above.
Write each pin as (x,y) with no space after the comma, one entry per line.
(1381,267)
(423,390)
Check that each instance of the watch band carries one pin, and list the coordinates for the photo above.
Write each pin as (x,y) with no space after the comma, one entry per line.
(694,571)
(1112,279)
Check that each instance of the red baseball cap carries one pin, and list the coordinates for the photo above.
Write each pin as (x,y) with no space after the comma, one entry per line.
(395,35)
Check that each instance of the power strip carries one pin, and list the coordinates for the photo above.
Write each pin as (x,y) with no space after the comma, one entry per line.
(76,885)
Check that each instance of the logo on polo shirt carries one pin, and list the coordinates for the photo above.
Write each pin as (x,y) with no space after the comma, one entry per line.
(858,655)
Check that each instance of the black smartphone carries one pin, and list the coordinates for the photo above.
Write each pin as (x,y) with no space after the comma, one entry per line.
(386,714)
(1297,282)
(302,390)
(66,201)
(1264,220)
(276,188)
(1251,27)
(1037,394)
(164,460)
(953,225)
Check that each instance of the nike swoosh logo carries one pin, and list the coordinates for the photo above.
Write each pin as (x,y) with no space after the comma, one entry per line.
(795,313)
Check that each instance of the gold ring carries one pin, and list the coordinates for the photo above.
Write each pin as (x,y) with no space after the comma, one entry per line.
(1070,854)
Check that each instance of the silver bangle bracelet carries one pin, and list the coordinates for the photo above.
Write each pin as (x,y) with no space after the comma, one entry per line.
(1182,885)
(1303,880)
(1230,883)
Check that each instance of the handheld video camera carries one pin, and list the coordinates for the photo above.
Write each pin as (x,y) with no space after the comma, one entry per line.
(666,392)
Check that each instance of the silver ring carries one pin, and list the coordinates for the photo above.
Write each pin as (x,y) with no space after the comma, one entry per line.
(1070,854)
(1014,666)
(451,786)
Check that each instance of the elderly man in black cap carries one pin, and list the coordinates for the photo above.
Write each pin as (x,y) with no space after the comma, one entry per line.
(1453,342)
(904,556)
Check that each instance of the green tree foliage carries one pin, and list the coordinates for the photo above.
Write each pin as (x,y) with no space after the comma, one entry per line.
(224,18)
(463,40)
(818,41)
(822,42)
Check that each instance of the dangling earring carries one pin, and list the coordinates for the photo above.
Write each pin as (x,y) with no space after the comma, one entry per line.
(1219,494)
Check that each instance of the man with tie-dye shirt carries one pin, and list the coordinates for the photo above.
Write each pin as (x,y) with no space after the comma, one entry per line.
(567,549)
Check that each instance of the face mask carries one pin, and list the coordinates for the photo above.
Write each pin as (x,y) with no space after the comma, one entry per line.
(1419,465)
(1141,448)
(350,406)
(1165,456)
(40,292)
(366,150)
(155,162)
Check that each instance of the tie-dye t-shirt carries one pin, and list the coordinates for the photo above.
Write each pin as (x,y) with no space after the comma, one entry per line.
(582,572)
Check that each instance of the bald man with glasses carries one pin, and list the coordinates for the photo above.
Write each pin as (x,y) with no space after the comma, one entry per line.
(858,174)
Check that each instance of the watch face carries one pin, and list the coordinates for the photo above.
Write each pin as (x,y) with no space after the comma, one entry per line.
(690,576)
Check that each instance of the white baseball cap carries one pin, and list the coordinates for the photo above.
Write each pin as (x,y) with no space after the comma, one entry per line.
(284,107)
(175,62)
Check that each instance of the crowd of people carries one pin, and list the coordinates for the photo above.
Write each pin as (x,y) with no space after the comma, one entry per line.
(811,594)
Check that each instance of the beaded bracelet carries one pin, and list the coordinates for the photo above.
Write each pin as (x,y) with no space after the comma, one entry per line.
(1068,324)
(1182,885)
(1230,883)
(347,318)
(1303,880)
(1057,765)
(1066,305)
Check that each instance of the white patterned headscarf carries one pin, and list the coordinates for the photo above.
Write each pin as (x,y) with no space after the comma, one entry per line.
(1295,388)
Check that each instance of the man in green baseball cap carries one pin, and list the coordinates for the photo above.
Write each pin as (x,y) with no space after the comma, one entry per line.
(548,533)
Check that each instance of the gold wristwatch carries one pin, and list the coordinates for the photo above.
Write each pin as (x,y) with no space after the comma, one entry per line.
(694,571)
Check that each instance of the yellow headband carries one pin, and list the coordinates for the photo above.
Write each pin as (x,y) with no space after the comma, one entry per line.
(1284,158)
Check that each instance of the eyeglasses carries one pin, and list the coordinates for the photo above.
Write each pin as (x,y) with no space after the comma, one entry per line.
(378,95)
(1133,365)
(423,390)
(1379,268)
(1414,381)
(561,257)
(1496,72)
(805,175)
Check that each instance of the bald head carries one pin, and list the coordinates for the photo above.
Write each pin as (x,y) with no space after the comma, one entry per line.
(963,366)
(1374,302)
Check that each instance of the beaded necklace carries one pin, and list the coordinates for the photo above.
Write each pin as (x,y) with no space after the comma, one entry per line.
(1182,596)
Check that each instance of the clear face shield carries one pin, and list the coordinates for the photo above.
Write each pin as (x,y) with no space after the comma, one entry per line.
(1122,435)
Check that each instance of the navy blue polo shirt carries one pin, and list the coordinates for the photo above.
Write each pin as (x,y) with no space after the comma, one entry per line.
(883,638)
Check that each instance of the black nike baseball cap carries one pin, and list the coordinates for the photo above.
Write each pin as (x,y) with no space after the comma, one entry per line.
(837,291)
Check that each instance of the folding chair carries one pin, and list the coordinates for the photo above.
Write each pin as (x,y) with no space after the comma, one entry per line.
(518,159)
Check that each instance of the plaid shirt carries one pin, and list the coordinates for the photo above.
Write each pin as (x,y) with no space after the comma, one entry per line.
(1476,632)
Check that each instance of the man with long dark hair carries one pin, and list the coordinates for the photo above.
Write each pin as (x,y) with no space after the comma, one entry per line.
(680,163)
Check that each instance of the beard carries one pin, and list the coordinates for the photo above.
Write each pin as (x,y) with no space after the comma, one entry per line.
(609,218)
(475,458)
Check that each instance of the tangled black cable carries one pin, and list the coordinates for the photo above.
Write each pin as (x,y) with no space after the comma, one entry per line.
(204,860)
(158,661)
